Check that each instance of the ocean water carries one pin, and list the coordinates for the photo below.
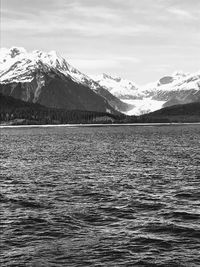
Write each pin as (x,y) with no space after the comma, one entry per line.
(100,196)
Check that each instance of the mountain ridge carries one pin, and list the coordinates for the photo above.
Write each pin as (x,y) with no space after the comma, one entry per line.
(27,75)
(178,88)
(28,69)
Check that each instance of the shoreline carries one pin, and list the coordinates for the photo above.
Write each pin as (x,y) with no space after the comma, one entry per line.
(99,125)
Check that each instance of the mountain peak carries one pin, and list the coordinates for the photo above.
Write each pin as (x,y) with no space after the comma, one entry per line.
(52,58)
(15,51)
(48,78)
(10,53)
(26,61)
(121,88)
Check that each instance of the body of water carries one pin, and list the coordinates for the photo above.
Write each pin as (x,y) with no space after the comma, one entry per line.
(100,196)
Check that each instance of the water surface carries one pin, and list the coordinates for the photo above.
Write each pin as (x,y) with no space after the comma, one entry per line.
(100,196)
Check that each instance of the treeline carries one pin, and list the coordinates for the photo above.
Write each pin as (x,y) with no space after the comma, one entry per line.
(53,116)
(178,113)
(19,112)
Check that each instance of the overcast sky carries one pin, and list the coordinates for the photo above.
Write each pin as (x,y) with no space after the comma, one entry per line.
(140,40)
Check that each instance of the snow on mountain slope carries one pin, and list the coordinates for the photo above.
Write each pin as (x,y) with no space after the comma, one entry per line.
(121,88)
(178,88)
(28,68)
(143,106)
(176,82)
(17,65)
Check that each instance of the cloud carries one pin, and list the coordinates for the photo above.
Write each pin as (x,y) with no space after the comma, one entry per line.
(82,18)
(119,36)
(181,13)
(91,12)
(52,23)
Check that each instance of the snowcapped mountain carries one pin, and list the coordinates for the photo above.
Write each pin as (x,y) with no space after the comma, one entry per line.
(178,88)
(48,79)
(121,88)
(17,65)
(176,82)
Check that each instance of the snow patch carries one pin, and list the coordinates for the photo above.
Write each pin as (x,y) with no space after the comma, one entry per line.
(121,88)
(142,106)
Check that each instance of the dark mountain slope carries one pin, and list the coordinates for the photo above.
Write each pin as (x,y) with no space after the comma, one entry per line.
(8,103)
(57,93)
(185,109)
(47,78)
(178,113)
(16,111)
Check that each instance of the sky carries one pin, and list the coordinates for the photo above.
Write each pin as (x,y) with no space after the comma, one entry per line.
(139,40)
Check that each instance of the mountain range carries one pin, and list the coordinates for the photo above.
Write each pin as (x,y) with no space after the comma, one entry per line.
(178,88)
(48,79)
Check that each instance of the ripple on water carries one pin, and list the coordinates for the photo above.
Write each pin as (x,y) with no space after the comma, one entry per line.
(108,196)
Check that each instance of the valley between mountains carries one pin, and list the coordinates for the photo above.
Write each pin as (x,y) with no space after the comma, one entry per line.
(48,80)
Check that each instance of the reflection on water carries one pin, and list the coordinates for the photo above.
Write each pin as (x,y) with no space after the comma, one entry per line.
(104,196)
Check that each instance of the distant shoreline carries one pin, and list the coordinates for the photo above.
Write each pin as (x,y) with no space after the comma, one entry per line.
(99,125)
